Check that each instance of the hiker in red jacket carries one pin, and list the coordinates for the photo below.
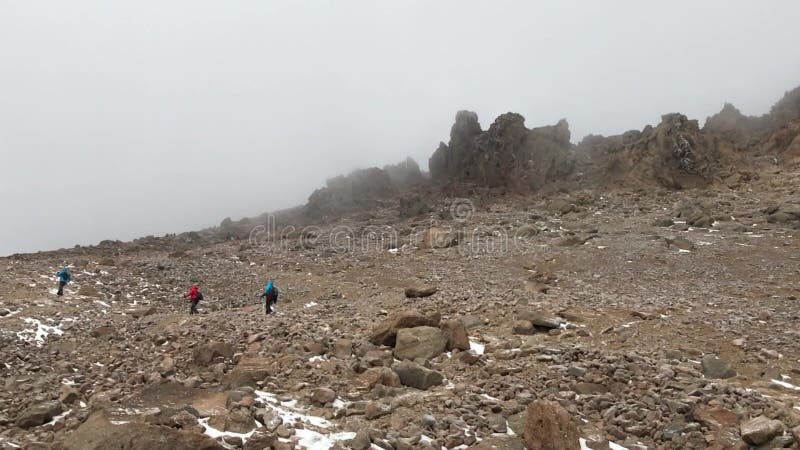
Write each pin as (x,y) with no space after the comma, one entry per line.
(194,295)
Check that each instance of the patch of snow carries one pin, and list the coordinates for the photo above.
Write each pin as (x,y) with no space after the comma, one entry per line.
(317,358)
(489,397)
(704,243)
(313,440)
(288,412)
(9,443)
(680,250)
(215,433)
(11,313)
(340,404)
(118,422)
(102,303)
(59,417)
(311,304)
(786,385)
(393,251)
(602,247)
(39,333)
(476,347)
(510,431)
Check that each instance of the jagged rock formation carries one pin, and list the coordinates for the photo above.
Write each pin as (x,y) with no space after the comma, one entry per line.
(506,155)
(675,154)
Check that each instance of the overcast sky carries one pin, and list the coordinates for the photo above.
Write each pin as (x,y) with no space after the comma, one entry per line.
(122,119)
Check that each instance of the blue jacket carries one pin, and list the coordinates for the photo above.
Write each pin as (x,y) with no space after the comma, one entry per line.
(268,287)
(64,276)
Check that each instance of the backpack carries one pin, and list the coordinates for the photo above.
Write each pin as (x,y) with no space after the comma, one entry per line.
(272,294)
(199,296)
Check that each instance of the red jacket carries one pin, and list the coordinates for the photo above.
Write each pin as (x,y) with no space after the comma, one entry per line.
(192,294)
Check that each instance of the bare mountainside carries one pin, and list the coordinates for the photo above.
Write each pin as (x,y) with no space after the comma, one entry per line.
(636,291)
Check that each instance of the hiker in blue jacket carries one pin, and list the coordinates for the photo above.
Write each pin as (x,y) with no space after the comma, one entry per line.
(64,277)
(271,295)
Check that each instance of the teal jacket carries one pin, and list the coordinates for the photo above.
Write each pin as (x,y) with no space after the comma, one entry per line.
(64,276)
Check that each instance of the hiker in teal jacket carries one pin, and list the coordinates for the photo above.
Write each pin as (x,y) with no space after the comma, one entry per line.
(64,277)
(271,294)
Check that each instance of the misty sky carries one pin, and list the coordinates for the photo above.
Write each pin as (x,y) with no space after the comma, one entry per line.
(122,119)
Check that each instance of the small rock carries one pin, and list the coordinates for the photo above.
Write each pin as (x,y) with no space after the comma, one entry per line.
(374,410)
(361,441)
(714,367)
(413,375)
(421,292)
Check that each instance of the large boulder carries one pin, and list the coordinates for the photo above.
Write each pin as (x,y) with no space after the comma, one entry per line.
(386,332)
(420,342)
(416,376)
(548,426)
(38,414)
(98,433)
(760,430)
(208,353)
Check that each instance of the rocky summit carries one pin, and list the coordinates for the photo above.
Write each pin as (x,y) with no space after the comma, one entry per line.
(638,291)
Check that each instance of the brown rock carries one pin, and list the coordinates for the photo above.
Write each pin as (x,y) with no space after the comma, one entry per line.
(207,353)
(343,348)
(456,332)
(68,395)
(375,376)
(416,376)
(38,414)
(439,238)
(760,430)
(97,433)
(374,410)
(548,426)
(421,292)
(386,332)
(523,327)
(796,434)
(322,396)
(714,418)
(420,342)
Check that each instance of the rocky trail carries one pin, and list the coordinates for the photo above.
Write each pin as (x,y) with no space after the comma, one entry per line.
(639,320)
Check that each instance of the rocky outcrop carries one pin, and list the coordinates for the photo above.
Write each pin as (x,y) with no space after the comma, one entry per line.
(506,155)
(675,154)
(360,190)
(99,433)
